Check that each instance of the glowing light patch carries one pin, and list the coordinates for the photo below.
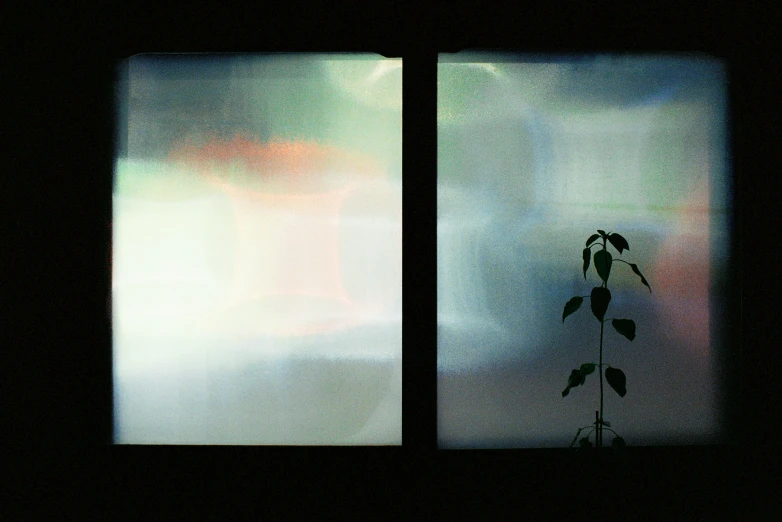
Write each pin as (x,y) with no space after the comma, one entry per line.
(165,261)
(158,242)
(257,256)
(598,158)
(375,82)
(287,246)
(286,200)
(462,310)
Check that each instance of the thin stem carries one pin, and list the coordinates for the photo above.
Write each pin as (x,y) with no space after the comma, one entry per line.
(589,432)
(577,434)
(600,424)
(585,436)
(612,431)
(600,429)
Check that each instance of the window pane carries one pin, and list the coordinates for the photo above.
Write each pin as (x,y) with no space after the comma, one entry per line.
(536,153)
(257,250)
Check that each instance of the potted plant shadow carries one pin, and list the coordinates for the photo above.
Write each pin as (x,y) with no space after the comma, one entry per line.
(600,298)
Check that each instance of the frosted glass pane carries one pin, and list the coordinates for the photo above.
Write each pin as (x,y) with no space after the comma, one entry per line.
(535,154)
(257,251)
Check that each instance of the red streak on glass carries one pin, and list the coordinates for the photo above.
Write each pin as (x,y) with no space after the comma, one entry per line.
(681,273)
(298,167)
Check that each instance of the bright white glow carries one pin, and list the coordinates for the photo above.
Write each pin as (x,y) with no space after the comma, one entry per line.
(256,285)
(374,82)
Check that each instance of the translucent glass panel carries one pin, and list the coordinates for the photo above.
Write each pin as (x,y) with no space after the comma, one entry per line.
(257,250)
(535,154)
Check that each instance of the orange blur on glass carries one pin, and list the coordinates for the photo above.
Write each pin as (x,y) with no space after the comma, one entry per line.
(296,166)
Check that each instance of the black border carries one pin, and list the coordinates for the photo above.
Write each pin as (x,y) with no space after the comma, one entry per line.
(58,354)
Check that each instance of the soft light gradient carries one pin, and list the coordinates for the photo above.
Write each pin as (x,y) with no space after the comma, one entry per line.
(534,154)
(257,252)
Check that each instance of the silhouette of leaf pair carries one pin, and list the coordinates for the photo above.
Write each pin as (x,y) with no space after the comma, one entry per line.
(592,239)
(619,242)
(578,377)
(615,377)
(599,299)
(603,257)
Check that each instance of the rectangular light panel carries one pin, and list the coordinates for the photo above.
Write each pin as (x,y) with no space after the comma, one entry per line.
(256,267)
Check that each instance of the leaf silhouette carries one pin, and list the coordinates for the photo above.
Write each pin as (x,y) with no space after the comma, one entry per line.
(619,242)
(625,327)
(600,298)
(592,239)
(571,306)
(639,274)
(576,378)
(618,443)
(602,232)
(603,261)
(587,368)
(587,254)
(616,378)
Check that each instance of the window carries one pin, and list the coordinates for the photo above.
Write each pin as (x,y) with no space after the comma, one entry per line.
(257,251)
(534,155)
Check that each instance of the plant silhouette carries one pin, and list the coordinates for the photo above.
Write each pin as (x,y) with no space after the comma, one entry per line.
(600,297)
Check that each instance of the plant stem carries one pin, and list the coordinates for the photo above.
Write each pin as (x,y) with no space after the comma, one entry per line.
(600,424)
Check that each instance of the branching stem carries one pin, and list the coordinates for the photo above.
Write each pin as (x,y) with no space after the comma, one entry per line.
(625,327)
